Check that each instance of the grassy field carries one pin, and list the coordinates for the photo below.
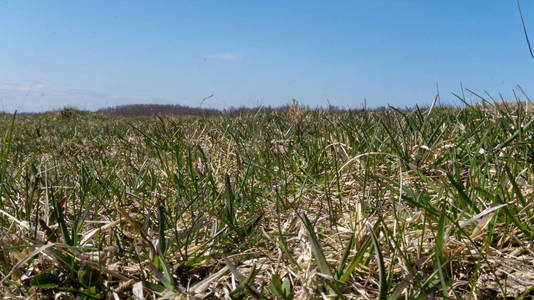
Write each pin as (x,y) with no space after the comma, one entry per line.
(412,204)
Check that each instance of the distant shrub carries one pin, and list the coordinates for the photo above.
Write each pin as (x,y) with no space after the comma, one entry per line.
(70,113)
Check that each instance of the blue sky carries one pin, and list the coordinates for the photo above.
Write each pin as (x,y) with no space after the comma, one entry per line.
(91,54)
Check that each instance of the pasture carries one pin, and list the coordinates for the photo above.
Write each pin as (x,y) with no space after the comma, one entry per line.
(288,204)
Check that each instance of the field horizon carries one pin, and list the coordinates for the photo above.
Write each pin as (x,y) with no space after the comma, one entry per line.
(150,109)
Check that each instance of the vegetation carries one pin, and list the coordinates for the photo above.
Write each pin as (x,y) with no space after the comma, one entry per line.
(152,109)
(180,110)
(414,204)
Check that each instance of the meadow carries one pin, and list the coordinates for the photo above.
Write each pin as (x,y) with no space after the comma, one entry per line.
(420,203)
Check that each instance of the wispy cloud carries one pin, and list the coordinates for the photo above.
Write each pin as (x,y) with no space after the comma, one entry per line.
(38,97)
(223,55)
(21,87)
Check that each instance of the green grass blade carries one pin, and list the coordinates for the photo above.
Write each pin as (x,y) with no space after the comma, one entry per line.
(58,209)
(440,257)
(316,247)
(383,289)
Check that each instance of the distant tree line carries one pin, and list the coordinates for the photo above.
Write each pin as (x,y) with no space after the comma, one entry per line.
(176,109)
(170,109)
(153,109)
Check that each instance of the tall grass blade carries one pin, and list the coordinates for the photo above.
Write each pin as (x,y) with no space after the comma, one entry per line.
(440,257)
(383,283)
(316,247)
(5,152)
